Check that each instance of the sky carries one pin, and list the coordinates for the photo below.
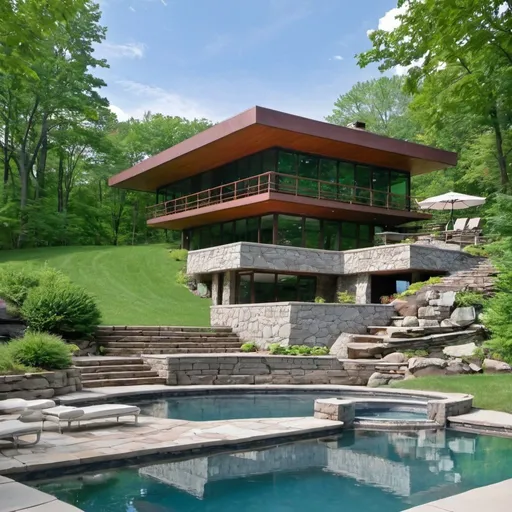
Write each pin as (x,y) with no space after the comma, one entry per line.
(216,58)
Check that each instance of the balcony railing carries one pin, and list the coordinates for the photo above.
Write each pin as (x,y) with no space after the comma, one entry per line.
(284,184)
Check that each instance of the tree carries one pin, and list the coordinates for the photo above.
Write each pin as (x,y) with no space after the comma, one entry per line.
(380,103)
(458,57)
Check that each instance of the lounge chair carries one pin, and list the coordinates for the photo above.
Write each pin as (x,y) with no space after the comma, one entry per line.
(473,224)
(458,226)
(12,430)
(93,412)
(14,405)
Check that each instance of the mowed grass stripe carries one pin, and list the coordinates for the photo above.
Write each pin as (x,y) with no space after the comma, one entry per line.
(133,285)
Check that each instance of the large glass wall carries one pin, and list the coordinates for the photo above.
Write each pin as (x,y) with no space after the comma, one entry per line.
(256,287)
(338,179)
(288,230)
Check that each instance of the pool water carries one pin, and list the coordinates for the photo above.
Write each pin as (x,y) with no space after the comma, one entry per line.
(359,471)
(229,407)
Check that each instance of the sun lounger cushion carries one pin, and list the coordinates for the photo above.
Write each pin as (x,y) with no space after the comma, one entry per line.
(64,412)
(91,412)
(12,405)
(11,428)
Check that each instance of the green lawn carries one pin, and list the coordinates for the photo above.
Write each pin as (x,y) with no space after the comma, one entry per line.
(490,391)
(134,285)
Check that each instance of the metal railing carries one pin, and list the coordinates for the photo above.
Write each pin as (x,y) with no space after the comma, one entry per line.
(285,184)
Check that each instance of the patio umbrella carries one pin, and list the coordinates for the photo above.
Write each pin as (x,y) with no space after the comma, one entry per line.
(451,201)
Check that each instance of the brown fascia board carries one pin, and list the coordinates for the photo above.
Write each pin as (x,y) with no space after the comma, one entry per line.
(273,119)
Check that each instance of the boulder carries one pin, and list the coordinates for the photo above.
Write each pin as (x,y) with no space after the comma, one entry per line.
(463,316)
(422,366)
(395,357)
(456,368)
(466,350)
(410,321)
(382,379)
(428,323)
(493,366)
(475,368)
(445,299)
(448,323)
(427,312)
(406,307)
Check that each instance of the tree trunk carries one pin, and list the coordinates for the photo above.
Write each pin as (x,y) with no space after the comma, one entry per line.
(500,154)
(60,185)
(134,220)
(24,181)
(41,161)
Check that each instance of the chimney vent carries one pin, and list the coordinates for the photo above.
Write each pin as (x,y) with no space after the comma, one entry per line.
(358,125)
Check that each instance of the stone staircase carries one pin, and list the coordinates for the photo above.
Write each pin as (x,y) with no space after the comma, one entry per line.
(100,371)
(137,340)
(479,278)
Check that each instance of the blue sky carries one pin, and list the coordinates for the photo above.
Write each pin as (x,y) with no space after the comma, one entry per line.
(215,58)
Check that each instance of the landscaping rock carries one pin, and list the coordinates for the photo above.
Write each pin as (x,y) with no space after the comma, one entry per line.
(456,368)
(445,299)
(448,323)
(410,321)
(493,366)
(475,368)
(395,357)
(382,379)
(406,307)
(428,313)
(422,366)
(464,316)
(466,350)
(428,323)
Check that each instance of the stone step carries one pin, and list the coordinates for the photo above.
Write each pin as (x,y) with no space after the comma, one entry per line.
(191,339)
(138,351)
(435,340)
(175,328)
(164,345)
(410,332)
(123,382)
(364,350)
(91,370)
(107,361)
(118,375)
(367,338)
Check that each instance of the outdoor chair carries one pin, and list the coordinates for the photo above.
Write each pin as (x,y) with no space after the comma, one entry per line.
(12,430)
(15,405)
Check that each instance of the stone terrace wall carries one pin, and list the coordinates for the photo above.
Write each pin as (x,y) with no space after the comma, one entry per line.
(299,323)
(40,385)
(208,369)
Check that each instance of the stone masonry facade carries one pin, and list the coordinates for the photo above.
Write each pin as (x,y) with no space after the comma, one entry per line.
(299,323)
(215,369)
(40,385)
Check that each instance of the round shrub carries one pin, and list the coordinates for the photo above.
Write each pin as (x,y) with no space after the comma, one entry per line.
(8,366)
(249,347)
(61,308)
(179,254)
(15,284)
(41,350)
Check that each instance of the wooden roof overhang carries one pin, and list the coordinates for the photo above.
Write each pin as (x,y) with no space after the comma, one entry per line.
(260,128)
(275,202)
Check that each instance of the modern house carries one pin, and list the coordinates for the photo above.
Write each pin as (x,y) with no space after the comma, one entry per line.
(276,208)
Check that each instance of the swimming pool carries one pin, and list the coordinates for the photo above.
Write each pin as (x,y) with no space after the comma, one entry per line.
(359,471)
(228,407)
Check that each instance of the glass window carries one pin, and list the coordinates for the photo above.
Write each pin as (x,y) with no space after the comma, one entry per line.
(308,169)
(195,240)
(227,233)
(346,189)
(348,236)
(264,287)
(289,230)
(269,160)
(365,236)
(399,190)
(328,172)
(216,234)
(252,229)
(267,229)
(380,185)
(206,240)
(331,235)
(287,164)
(363,183)
(312,233)
(306,289)
(244,288)
(286,288)
(240,233)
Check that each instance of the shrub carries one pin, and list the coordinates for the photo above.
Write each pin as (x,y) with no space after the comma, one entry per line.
(8,365)
(416,287)
(319,300)
(415,353)
(387,299)
(181,277)
(297,350)
(41,350)
(346,298)
(469,298)
(277,349)
(477,250)
(15,284)
(178,254)
(61,308)
(319,351)
(249,347)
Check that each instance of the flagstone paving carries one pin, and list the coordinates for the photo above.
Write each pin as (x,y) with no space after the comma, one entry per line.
(101,441)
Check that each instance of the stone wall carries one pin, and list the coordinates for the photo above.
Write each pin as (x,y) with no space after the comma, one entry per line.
(208,369)
(40,385)
(299,323)
(386,258)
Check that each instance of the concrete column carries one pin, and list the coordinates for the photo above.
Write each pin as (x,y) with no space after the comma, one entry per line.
(336,409)
(363,289)
(215,290)
(229,290)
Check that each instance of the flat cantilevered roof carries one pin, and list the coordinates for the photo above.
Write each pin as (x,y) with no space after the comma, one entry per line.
(261,128)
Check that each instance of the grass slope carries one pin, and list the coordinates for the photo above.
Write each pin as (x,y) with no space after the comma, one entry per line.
(490,391)
(133,285)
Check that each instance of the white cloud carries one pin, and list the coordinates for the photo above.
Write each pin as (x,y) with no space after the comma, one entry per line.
(502,8)
(128,50)
(132,8)
(390,20)
(119,112)
(337,57)
(403,70)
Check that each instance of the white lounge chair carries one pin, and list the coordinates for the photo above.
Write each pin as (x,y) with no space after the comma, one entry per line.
(14,405)
(12,430)
(93,412)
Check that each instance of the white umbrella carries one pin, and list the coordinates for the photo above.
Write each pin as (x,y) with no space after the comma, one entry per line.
(451,201)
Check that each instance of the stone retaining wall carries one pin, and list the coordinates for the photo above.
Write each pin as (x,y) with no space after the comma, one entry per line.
(216,369)
(40,385)
(298,323)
